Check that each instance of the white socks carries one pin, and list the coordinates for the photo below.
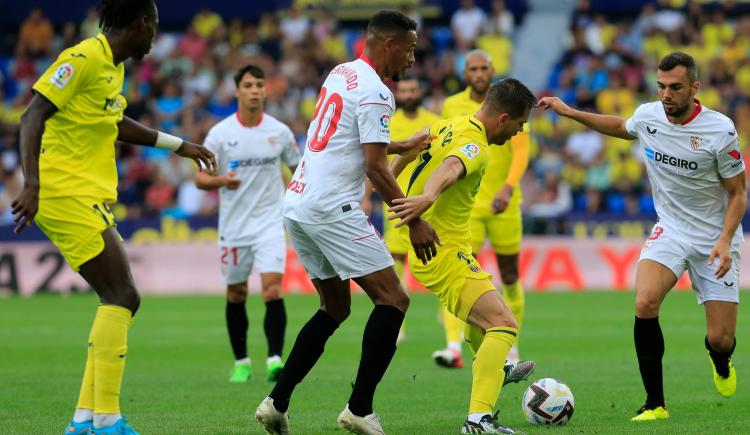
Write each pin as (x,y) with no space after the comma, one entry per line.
(104,420)
(82,415)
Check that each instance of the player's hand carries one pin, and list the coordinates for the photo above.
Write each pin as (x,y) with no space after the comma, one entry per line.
(721,251)
(409,209)
(230,182)
(502,199)
(555,104)
(412,147)
(25,207)
(424,240)
(202,157)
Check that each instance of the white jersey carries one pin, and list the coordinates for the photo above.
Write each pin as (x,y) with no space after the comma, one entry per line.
(254,155)
(354,108)
(685,164)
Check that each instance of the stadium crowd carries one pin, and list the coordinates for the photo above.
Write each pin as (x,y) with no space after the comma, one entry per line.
(185,86)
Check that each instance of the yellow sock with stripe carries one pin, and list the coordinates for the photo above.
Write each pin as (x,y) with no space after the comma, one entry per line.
(85,405)
(109,337)
(474,337)
(487,371)
(453,327)
(516,299)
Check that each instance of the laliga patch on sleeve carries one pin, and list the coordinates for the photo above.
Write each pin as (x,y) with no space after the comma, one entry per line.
(62,76)
(471,150)
(385,123)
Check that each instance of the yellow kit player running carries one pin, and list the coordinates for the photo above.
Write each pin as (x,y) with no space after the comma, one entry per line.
(497,210)
(68,135)
(410,117)
(442,188)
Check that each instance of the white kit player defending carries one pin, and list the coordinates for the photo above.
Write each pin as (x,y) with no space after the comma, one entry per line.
(347,140)
(697,175)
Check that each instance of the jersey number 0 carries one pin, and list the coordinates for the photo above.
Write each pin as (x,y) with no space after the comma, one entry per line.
(330,113)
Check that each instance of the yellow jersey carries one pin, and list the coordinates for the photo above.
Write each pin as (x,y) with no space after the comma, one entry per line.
(500,157)
(463,137)
(77,157)
(402,128)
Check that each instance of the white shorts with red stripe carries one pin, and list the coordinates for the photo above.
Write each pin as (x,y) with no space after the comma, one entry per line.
(348,248)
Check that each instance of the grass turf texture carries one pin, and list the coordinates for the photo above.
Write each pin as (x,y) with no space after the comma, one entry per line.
(176,380)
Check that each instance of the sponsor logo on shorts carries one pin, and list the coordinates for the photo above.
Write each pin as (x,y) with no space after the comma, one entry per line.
(62,76)
(670,160)
(471,150)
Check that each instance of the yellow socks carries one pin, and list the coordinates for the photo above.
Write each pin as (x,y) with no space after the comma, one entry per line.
(474,337)
(515,298)
(453,326)
(86,396)
(487,373)
(399,266)
(109,346)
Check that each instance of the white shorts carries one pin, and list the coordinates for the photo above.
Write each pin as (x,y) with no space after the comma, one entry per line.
(678,254)
(349,248)
(269,256)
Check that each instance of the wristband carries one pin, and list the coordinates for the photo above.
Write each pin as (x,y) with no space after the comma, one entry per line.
(167,141)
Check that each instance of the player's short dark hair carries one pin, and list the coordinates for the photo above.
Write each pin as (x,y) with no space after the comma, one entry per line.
(253,70)
(118,14)
(510,96)
(390,23)
(678,58)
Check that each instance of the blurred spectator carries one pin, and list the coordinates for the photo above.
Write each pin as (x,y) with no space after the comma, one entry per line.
(206,22)
(585,145)
(36,35)
(500,20)
(90,25)
(467,23)
(295,26)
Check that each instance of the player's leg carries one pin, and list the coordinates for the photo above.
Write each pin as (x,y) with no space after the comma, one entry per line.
(720,299)
(237,325)
(399,264)
(274,322)
(721,322)
(653,280)
(491,316)
(504,232)
(109,275)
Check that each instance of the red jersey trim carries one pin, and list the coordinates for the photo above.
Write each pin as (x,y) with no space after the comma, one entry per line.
(237,114)
(366,60)
(696,111)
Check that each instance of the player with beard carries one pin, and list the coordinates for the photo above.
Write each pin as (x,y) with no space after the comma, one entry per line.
(697,175)
(497,209)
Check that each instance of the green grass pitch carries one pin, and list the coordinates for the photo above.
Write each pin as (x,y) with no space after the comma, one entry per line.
(179,360)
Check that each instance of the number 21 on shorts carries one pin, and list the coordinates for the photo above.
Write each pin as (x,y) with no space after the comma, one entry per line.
(227,252)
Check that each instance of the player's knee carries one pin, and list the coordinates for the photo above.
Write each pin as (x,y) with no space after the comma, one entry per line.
(272,292)
(646,306)
(339,313)
(509,276)
(129,298)
(236,293)
(721,340)
(399,299)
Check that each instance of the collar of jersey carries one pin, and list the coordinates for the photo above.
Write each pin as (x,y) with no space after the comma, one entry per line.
(368,61)
(107,49)
(698,108)
(473,120)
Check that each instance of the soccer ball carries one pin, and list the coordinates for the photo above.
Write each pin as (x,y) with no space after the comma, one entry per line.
(548,401)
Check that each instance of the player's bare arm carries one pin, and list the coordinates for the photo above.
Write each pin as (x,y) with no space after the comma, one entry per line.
(422,235)
(605,124)
(737,203)
(32,128)
(205,181)
(134,132)
(412,146)
(408,209)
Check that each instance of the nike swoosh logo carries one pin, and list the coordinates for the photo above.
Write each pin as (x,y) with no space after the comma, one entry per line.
(732,133)
(78,55)
(383,98)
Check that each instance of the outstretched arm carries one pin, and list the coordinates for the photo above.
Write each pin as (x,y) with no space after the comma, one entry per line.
(605,124)
(32,128)
(134,132)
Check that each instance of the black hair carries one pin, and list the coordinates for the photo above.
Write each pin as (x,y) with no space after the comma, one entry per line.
(510,96)
(678,58)
(253,70)
(389,23)
(118,14)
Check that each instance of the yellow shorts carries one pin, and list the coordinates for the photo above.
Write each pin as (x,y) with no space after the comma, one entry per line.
(75,225)
(396,239)
(504,231)
(455,277)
